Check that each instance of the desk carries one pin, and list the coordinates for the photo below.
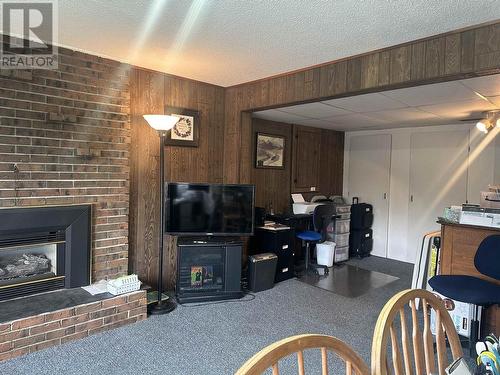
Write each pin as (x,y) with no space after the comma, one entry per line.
(459,243)
(298,223)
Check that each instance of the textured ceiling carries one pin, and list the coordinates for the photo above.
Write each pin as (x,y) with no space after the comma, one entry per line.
(230,41)
(436,104)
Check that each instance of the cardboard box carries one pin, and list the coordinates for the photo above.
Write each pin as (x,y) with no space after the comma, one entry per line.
(461,314)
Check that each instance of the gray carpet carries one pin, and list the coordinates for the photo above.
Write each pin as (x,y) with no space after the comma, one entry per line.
(219,338)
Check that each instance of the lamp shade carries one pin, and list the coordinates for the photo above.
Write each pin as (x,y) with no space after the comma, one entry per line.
(161,122)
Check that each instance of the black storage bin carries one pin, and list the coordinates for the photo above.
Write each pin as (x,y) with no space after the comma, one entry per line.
(361,242)
(261,271)
(361,215)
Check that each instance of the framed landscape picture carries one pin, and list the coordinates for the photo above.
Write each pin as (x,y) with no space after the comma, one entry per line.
(270,151)
(187,131)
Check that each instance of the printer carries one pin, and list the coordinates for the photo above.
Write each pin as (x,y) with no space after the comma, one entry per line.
(300,206)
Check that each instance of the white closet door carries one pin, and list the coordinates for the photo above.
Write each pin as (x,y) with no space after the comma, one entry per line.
(438,178)
(369,173)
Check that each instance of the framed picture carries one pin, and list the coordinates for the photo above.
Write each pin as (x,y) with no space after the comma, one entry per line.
(269,151)
(187,131)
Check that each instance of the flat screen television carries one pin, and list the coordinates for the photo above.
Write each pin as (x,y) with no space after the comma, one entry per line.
(209,209)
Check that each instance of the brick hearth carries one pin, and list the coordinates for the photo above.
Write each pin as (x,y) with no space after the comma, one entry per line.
(27,335)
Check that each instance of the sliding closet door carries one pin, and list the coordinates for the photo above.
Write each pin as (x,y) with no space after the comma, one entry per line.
(369,173)
(438,178)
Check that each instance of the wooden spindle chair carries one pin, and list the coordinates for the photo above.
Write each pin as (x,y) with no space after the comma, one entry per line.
(418,349)
(269,356)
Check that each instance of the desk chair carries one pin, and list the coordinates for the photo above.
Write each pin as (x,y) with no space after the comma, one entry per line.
(322,217)
(470,289)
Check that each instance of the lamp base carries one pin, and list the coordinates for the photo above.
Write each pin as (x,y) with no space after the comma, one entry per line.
(162,307)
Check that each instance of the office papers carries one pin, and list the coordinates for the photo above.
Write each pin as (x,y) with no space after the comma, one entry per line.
(298,198)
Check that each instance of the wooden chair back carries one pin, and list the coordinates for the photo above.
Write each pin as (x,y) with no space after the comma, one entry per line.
(418,355)
(269,356)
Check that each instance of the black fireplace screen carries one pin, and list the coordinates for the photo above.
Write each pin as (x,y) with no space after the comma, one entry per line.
(43,258)
(43,249)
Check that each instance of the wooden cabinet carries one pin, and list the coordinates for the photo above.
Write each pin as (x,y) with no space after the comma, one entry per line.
(459,244)
(306,159)
(331,162)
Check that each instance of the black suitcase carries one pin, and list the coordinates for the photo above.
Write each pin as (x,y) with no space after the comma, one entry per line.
(360,242)
(361,215)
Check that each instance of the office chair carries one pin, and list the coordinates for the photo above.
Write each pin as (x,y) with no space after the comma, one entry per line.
(470,289)
(322,217)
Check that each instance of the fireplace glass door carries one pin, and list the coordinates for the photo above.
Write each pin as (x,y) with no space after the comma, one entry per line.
(31,263)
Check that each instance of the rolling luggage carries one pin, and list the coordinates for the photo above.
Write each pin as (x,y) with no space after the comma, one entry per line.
(361,215)
(361,242)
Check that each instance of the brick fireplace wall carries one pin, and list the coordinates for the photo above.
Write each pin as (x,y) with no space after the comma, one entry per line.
(65,139)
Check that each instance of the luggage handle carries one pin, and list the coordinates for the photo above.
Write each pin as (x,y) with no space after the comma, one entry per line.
(355,200)
(491,200)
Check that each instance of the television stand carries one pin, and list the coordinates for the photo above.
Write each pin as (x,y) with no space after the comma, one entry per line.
(208,269)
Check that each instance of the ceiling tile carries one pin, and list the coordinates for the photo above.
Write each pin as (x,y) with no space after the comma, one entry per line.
(487,86)
(354,119)
(366,103)
(316,110)
(446,92)
(459,110)
(312,122)
(401,115)
(275,115)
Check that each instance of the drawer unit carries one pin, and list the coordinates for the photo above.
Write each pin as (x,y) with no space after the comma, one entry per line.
(342,226)
(341,254)
(281,243)
(341,240)
(342,209)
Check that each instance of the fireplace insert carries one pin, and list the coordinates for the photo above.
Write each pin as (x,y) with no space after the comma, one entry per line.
(43,249)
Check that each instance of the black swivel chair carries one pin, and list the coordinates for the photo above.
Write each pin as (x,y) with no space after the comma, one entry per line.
(470,289)
(322,217)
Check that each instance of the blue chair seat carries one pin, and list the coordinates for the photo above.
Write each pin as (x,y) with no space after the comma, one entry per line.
(467,289)
(309,235)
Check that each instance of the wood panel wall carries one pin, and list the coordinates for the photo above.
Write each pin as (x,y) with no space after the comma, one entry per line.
(455,55)
(226,150)
(274,186)
(150,93)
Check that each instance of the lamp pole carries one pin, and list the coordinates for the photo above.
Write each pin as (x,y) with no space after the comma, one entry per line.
(165,122)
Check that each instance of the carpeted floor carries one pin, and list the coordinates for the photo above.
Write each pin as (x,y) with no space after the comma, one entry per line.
(219,338)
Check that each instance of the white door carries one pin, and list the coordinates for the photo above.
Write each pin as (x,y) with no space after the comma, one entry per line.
(369,178)
(438,179)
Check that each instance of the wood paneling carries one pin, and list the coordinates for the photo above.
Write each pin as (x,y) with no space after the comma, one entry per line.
(306,159)
(331,163)
(146,96)
(272,186)
(150,93)
(447,57)
(225,152)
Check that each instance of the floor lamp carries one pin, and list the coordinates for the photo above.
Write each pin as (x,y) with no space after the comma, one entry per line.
(162,124)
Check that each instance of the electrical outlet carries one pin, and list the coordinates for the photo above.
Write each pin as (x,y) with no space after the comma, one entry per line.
(313,188)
